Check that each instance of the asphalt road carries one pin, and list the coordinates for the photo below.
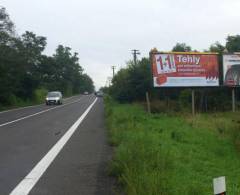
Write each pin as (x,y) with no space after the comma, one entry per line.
(55,149)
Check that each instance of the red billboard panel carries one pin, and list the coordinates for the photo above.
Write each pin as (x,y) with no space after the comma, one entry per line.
(185,69)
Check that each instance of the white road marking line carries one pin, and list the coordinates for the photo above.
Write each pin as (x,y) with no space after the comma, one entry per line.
(25,117)
(25,186)
(22,108)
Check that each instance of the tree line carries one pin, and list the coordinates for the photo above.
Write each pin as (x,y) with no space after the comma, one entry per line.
(26,73)
(131,83)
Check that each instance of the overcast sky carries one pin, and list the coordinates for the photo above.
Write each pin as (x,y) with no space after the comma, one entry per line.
(104,32)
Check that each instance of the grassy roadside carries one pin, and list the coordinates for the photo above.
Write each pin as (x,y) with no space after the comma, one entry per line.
(173,154)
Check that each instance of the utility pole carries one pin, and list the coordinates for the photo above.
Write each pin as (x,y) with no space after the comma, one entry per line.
(109,80)
(135,52)
(113,68)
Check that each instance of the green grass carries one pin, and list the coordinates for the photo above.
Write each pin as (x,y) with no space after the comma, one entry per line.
(173,154)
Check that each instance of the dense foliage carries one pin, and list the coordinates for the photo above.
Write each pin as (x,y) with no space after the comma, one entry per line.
(24,69)
(181,47)
(132,82)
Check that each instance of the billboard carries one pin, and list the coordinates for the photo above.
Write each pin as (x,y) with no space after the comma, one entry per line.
(185,69)
(231,69)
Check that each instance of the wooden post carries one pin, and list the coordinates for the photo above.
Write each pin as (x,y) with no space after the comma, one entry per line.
(219,186)
(193,102)
(233,100)
(148,103)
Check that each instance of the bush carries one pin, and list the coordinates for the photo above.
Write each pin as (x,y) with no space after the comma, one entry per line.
(12,100)
(39,95)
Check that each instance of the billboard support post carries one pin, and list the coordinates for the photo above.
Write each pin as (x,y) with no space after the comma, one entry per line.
(148,103)
(233,100)
(193,102)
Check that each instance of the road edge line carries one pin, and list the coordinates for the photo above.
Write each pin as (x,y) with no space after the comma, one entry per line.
(37,113)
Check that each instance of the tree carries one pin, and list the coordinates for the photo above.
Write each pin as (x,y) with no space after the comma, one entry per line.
(6,25)
(68,70)
(217,47)
(131,83)
(29,47)
(85,84)
(181,47)
(233,43)
(48,71)
(8,76)
(24,69)
(32,47)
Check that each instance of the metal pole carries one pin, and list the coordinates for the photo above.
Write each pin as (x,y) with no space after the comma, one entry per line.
(233,100)
(113,68)
(148,103)
(193,102)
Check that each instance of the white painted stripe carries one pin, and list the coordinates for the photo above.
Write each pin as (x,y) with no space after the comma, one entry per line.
(25,117)
(22,108)
(25,186)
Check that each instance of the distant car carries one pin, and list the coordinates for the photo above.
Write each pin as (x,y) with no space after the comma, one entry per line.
(54,97)
(85,93)
(99,94)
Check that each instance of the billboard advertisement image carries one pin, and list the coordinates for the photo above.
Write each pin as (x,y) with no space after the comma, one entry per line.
(231,69)
(183,69)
